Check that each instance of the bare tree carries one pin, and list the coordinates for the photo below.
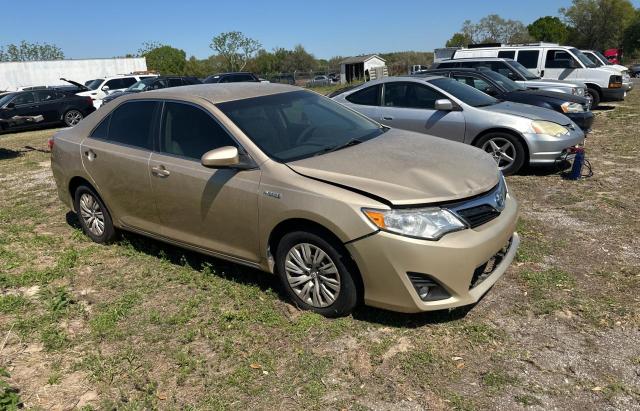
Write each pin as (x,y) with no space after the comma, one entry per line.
(235,48)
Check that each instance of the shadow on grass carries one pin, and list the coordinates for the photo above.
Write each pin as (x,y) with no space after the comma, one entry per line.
(6,154)
(603,108)
(249,276)
(557,168)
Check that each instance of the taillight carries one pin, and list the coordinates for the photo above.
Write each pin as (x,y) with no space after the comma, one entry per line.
(50,143)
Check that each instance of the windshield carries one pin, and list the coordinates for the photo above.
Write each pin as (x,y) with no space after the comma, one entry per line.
(593,59)
(602,58)
(5,98)
(141,85)
(466,94)
(504,81)
(95,84)
(583,59)
(523,71)
(298,124)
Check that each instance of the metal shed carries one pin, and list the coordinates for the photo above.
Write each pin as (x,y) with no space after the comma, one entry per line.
(364,67)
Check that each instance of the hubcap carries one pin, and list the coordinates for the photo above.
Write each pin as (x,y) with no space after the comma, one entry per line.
(92,214)
(73,117)
(312,275)
(503,152)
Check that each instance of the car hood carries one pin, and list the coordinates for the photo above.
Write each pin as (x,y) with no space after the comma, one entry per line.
(527,111)
(551,83)
(548,95)
(405,168)
(81,87)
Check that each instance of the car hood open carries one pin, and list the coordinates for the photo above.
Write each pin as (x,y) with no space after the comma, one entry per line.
(405,168)
(530,112)
(81,87)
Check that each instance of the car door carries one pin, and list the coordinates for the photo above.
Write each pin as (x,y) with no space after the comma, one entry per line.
(50,103)
(411,106)
(366,101)
(24,105)
(214,209)
(116,157)
(559,65)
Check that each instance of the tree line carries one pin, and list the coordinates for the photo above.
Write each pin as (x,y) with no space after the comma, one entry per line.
(586,24)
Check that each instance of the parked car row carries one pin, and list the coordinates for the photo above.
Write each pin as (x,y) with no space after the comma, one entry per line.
(553,61)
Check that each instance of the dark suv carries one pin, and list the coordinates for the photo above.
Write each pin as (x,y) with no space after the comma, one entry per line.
(238,77)
(577,108)
(153,83)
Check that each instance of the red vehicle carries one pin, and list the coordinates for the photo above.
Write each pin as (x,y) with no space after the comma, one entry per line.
(613,55)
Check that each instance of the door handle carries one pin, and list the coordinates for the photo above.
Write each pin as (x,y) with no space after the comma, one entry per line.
(160,171)
(90,154)
(387,117)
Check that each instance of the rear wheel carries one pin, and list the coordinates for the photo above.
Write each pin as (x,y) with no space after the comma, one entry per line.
(316,274)
(93,215)
(506,149)
(72,117)
(595,97)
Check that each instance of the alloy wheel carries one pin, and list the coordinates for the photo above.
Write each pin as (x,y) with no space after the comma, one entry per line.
(72,117)
(502,151)
(312,275)
(92,214)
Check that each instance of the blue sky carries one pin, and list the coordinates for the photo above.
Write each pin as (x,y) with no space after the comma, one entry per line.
(85,29)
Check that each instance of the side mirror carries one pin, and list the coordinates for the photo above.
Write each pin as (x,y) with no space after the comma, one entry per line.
(573,64)
(444,105)
(221,157)
(105,88)
(491,91)
(11,106)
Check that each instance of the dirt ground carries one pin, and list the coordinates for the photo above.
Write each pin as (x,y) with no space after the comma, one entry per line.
(143,325)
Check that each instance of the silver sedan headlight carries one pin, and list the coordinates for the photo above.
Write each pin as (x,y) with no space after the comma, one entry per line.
(572,107)
(549,128)
(429,223)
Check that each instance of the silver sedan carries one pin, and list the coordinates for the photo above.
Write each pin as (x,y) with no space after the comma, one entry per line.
(514,134)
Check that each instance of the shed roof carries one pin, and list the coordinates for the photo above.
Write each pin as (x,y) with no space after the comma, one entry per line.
(360,59)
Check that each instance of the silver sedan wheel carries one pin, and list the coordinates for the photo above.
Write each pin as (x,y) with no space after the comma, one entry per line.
(502,150)
(92,215)
(72,117)
(312,275)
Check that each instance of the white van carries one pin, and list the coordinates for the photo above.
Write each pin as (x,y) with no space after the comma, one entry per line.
(552,61)
(100,88)
(599,60)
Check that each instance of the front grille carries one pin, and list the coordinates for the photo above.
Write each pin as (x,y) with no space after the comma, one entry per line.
(476,216)
(485,270)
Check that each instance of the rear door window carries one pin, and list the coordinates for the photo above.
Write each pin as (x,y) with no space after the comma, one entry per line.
(132,123)
(369,96)
(24,98)
(507,54)
(477,83)
(558,59)
(529,58)
(48,96)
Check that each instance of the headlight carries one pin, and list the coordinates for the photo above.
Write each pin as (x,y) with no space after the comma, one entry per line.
(549,128)
(571,107)
(428,223)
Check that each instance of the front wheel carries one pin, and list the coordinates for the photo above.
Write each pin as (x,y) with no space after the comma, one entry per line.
(72,117)
(595,97)
(316,274)
(506,149)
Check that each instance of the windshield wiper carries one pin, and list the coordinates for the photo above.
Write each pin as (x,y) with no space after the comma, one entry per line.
(352,142)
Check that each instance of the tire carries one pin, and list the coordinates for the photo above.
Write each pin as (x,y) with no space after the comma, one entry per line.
(595,97)
(336,294)
(502,146)
(93,215)
(72,117)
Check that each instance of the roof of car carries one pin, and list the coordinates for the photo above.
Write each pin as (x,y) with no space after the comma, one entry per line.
(221,92)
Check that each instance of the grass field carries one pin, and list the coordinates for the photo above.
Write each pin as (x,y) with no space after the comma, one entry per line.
(142,325)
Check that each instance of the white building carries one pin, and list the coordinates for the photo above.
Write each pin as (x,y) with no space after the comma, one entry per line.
(48,73)
(365,67)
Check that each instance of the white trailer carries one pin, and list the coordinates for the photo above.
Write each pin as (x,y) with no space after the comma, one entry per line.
(48,73)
